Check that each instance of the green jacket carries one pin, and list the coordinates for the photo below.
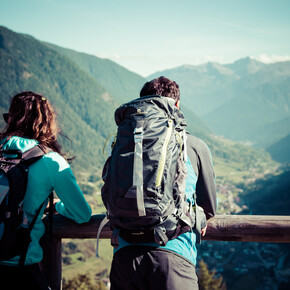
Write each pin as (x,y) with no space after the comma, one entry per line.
(51,172)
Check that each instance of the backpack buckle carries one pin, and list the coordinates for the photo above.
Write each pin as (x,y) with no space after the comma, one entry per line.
(8,214)
(138,134)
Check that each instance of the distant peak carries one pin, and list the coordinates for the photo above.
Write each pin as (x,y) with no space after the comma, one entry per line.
(246,65)
(247,60)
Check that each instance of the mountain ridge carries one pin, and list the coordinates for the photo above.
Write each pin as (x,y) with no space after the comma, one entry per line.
(118,80)
(236,100)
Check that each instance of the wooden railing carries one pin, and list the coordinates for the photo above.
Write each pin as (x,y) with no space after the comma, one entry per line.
(243,228)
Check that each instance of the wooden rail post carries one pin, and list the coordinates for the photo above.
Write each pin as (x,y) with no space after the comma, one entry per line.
(51,264)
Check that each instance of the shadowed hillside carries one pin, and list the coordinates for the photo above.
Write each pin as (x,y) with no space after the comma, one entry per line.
(84,106)
(280,151)
(119,81)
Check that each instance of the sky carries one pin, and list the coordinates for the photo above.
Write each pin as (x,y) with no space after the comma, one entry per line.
(154,35)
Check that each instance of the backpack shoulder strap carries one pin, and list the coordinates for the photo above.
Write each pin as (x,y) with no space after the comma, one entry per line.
(50,215)
(29,157)
(32,155)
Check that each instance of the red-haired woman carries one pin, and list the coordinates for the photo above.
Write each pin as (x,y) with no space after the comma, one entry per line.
(31,121)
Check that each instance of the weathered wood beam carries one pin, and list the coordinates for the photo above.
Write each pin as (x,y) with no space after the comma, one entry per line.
(249,228)
(245,228)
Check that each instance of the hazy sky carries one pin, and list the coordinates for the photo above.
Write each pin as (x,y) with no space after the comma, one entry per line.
(151,35)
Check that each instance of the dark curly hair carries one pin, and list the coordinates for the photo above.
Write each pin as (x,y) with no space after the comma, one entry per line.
(32,116)
(161,86)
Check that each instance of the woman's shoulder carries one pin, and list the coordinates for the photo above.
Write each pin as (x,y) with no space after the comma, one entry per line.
(53,158)
(18,143)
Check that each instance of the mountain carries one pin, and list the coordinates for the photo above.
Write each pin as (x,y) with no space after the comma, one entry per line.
(122,83)
(239,100)
(246,66)
(270,195)
(200,86)
(272,133)
(280,151)
(195,125)
(84,89)
(84,106)
(79,87)
(119,81)
(125,84)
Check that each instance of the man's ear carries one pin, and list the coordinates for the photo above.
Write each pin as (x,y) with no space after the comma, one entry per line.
(177,104)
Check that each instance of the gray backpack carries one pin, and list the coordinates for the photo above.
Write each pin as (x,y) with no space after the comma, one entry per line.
(144,178)
(14,227)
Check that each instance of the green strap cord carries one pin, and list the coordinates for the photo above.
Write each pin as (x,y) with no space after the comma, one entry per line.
(162,160)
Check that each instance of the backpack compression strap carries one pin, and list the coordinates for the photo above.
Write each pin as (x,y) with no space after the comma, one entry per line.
(136,190)
(138,169)
(32,155)
(24,253)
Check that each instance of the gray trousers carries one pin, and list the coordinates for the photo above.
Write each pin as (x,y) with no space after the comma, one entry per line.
(148,268)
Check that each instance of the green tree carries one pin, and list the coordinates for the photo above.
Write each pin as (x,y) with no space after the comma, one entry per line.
(207,280)
(84,282)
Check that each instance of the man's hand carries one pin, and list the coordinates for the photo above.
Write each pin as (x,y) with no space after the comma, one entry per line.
(55,200)
(203,231)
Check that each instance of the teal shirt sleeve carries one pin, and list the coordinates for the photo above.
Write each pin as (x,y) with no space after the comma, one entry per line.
(73,204)
(51,172)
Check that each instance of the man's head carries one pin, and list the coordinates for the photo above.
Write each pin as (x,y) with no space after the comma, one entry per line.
(161,86)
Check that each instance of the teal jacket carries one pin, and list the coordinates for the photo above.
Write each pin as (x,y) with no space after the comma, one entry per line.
(51,172)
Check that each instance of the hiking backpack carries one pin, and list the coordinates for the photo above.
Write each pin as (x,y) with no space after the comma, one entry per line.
(14,227)
(144,178)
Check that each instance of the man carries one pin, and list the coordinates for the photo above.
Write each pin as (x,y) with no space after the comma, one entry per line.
(150,266)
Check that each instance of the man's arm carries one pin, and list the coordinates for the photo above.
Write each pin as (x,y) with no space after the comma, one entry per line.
(201,160)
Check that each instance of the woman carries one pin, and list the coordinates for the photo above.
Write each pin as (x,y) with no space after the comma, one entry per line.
(31,121)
